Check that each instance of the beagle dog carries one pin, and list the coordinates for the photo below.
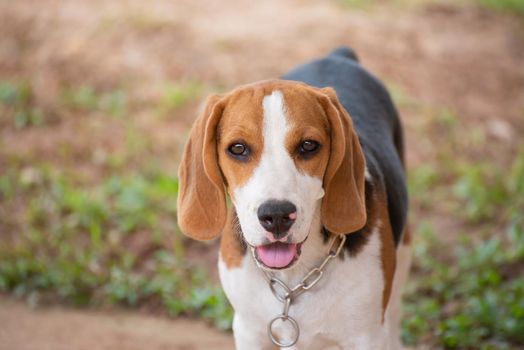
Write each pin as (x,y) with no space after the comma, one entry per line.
(314,247)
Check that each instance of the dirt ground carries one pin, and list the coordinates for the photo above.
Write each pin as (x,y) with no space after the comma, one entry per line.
(23,328)
(462,57)
(438,53)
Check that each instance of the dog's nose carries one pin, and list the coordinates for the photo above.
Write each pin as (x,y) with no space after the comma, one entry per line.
(277,216)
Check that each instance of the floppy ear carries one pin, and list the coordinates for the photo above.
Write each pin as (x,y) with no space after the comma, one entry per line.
(201,199)
(344,204)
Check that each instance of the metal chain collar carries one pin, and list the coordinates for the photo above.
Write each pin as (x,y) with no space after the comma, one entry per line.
(287,295)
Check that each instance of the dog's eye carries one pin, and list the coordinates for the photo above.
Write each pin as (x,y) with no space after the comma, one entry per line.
(307,148)
(238,150)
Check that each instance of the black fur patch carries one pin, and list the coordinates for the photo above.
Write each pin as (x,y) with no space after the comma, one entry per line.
(375,120)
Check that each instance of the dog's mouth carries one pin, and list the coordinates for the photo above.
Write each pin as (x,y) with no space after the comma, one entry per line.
(277,255)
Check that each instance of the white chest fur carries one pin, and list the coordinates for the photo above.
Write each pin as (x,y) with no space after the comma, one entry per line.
(344,310)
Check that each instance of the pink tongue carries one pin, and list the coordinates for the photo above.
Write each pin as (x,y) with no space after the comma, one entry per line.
(276,255)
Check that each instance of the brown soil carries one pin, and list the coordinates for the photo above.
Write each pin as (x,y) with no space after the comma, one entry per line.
(459,57)
(24,328)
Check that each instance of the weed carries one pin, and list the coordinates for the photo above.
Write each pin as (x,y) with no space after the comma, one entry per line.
(83,98)
(114,103)
(86,99)
(515,6)
(178,94)
(485,190)
(470,297)
(481,189)
(421,183)
(447,119)
(401,98)
(359,4)
(366,4)
(77,244)
(141,21)
(16,102)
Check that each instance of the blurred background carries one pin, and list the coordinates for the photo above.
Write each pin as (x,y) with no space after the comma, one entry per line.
(96,100)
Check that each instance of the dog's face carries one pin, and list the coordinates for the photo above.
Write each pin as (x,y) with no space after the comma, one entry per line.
(273,155)
(286,153)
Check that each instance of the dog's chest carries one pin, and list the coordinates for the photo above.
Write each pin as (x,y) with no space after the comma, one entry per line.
(346,301)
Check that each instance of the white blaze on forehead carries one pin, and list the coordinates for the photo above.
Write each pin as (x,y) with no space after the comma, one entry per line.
(276,177)
(276,162)
(275,125)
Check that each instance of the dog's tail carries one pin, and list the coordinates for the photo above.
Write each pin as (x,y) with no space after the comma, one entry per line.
(344,52)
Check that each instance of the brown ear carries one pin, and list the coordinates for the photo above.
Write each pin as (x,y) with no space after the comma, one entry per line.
(344,204)
(201,198)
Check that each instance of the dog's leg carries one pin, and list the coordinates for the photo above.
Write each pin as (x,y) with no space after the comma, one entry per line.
(248,337)
(376,339)
(401,275)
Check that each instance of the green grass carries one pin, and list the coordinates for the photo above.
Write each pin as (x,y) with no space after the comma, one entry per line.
(75,243)
(178,94)
(392,4)
(513,6)
(87,99)
(355,4)
(487,193)
(17,105)
(19,108)
(468,298)
(508,6)
(470,294)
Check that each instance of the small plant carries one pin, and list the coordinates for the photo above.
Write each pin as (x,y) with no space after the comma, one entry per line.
(16,101)
(471,297)
(486,191)
(86,99)
(77,243)
(421,184)
(515,6)
(354,3)
(401,98)
(178,94)
(469,300)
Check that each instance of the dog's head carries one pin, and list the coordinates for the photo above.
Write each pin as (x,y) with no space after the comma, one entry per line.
(286,153)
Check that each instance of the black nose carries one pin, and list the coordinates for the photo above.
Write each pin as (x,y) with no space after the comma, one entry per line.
(274,216)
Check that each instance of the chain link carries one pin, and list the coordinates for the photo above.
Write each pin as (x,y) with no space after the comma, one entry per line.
(277,286)
(305,284)
(273,282)
(285,310)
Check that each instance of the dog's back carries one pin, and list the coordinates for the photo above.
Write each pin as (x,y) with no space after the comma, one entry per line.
(375,120)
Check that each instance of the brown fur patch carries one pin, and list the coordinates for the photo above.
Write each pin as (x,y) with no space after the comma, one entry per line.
(307,120)
(406,237)
(388,255)
(201,198)
(343,206)
(355,241)
(241,122)
(232,248)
